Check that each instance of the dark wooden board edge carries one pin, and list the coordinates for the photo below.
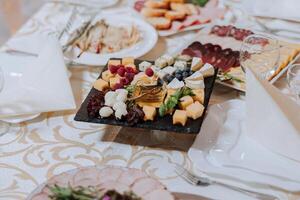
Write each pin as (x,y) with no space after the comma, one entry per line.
(160,123)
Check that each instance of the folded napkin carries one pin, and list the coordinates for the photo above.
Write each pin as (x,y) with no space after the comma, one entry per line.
(273,119)
(282,9)
(34,85)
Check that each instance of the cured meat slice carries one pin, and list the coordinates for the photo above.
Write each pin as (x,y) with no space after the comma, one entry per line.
(130,176)
(145,185)
(189,52)
(230,62)
(209,47)
(159,194)
(215,29)
(109,174)
(114,185)
(86,177)
(217,48)
(227,52)
(211,58)
(40,196)
(221,63)
(195,45)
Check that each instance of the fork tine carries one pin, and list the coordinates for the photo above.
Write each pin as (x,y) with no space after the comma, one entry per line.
(185,174)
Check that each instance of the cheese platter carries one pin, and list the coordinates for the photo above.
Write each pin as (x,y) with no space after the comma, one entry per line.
(169,94)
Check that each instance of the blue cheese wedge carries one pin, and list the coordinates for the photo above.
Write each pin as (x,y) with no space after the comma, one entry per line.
(144,65)
(169,70)
(197,63)
(180,65)
(207,70)
(175,84)
(161,62)
(197,84)
(169,59)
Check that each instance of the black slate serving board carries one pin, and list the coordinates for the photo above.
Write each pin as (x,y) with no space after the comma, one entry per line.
(160,123)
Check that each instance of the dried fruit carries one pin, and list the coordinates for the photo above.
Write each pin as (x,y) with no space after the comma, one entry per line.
(95,103)
(135,115)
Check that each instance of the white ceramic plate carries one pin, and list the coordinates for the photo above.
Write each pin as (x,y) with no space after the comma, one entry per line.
(19,119)
(147,42)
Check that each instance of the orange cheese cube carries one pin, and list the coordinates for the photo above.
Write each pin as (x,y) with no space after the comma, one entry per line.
(185,102)
(113,81)
(195,110)
(128,61)
(150,113)
(180,117)
(101,84)
(106,75)
(199,95)
(114,62)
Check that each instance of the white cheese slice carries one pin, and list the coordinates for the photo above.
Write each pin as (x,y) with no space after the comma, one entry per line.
(175,84)
(195,76)
(196,64)
(198,84)
(180,65)
(207,70)
(169,59)
(169,70)
(144,65)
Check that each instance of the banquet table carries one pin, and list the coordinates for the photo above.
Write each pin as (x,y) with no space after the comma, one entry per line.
(35,150)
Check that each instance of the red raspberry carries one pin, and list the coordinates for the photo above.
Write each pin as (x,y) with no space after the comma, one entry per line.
(118,86)
(125,81)
(129,76)
(149,72)
(121,71)
(113,69)
(129,70)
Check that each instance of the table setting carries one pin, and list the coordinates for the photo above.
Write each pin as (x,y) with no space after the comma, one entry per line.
(149,99)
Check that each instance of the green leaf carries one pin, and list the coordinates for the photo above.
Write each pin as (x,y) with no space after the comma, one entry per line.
(200,2)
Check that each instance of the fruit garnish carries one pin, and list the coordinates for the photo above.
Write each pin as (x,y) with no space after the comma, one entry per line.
(149,72)
(118,86)
(121,71)
(130,70)
(125,81)
(129,76)
(113,69)
(95,103)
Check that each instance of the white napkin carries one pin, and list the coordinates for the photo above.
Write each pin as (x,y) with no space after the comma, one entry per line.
(273,119)
(224,151)
(282,9)
(35,85)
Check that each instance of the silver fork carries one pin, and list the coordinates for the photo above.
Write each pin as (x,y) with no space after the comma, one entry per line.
(205,181)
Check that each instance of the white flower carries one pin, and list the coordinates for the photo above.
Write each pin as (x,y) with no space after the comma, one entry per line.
(110,98)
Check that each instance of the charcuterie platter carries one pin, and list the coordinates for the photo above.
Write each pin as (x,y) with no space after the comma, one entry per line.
(170,94)
(220,46)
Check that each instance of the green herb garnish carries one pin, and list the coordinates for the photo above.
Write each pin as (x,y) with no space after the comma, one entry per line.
(200,2)
(226,77)
(174,100)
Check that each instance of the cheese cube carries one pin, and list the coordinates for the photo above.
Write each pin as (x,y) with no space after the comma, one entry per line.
(161,62)
(128,61)
(169,59)
(113,81)
(106,75)
(144,65)
(180,65)
(199,95)
(180,117)
(150,113)
(114,62)
(101,84)
(185,102)
(196,64)
(207,70)
(195,110)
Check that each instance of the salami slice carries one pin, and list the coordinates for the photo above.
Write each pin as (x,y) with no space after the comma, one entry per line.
(198,53)
(227,52)
(217,48)
(215,29)
(209,47)
(195,45)
(230,62)
(189,52)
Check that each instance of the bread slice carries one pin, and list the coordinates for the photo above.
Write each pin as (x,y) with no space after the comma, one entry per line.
(157,4)
(151,12)
(192,9)
(175,15)
(160,23)
(179,7)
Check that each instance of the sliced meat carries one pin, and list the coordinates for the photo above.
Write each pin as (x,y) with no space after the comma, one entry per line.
(110,174)
(86,177)
(40,196)
(114,185)
(230,62)
(159,194)
(209,47)
(188,51)
(145,185)
(227,52)
(221,63)
(198,53)
(130,176)
(212,58)
(217,48)
(195,45)
(215,29)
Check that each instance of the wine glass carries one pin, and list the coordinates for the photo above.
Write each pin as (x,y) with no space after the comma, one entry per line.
(261,53)
(293,79)
(3,126)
